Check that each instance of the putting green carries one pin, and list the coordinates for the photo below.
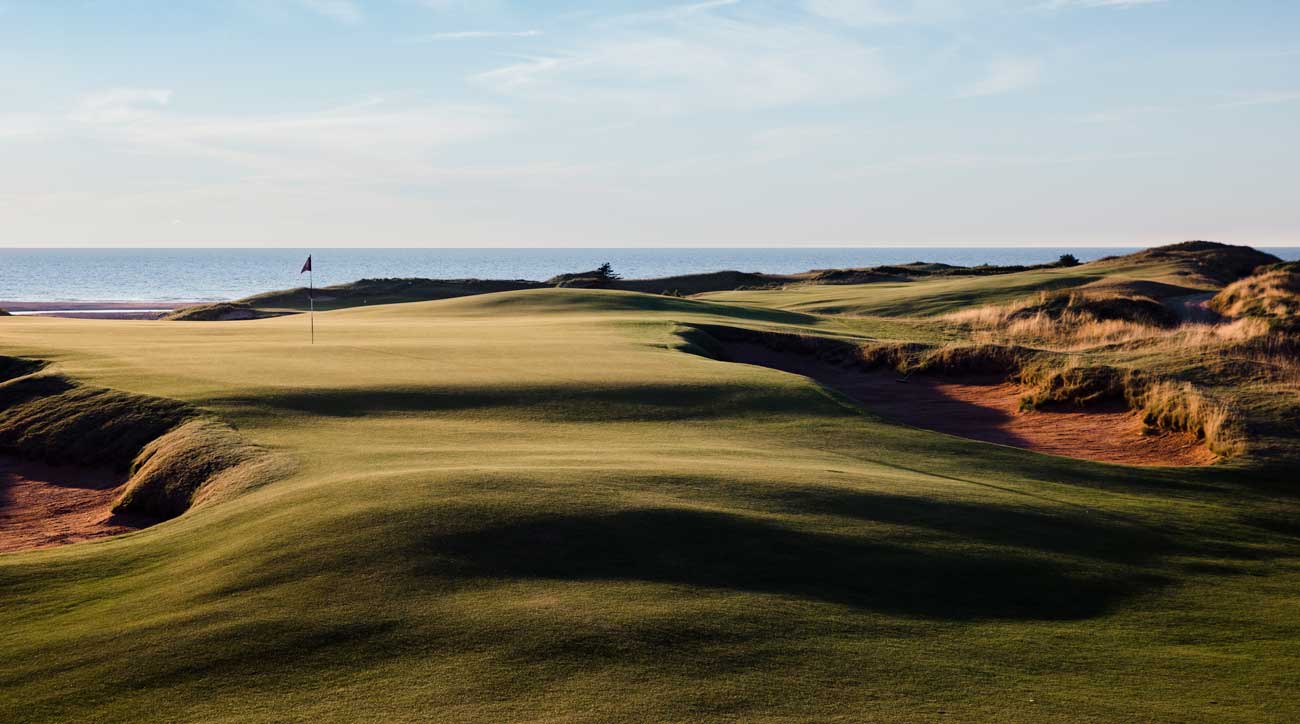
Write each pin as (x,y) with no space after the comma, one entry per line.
(536,506)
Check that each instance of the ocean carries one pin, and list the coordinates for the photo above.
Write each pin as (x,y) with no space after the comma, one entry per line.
(198,275)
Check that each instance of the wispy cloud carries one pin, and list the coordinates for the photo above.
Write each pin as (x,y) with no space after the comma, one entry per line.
(369,139)
(978,160)
(691,57)
(1262,98)
(116,105)
(1007,75)
(482,34)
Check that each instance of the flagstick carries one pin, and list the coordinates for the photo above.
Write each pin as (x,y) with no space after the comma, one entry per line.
(311,302)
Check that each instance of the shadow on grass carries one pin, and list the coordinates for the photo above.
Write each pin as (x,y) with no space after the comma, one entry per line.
(559,403)
(715,550)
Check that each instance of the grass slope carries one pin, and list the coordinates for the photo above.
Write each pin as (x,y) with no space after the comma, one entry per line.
(534,506)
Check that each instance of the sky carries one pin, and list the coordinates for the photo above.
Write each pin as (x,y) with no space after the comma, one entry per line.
(464,123)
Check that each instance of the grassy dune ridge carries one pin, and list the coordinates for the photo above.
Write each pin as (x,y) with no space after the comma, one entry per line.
(535,506)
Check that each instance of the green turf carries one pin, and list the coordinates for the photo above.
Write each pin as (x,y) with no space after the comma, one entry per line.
(537,507)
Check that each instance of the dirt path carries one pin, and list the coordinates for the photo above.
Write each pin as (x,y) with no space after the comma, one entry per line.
(989,410)
(42,505)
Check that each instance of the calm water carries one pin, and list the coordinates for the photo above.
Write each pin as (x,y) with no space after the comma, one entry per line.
(167,275)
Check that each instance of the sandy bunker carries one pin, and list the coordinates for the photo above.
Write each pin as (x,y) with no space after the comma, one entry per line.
(43,505)
(988,409)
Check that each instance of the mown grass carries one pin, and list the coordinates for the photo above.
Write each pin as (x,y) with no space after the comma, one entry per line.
(534,506)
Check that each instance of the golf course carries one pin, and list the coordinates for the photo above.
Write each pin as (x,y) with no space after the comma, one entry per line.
(1065,493)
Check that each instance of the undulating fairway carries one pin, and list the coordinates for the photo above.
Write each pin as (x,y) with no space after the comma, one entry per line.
(552,505)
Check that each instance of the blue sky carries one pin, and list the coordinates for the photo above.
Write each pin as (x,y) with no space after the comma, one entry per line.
(576,123)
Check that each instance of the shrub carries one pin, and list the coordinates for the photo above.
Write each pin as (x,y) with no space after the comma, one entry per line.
(606,272)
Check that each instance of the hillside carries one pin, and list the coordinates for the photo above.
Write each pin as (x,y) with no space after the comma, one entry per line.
(600,505)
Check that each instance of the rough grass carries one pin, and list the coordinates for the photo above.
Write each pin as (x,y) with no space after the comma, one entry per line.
(1069,382)
(1165,405)
(1080,320)
(1168,405)
(1272,295)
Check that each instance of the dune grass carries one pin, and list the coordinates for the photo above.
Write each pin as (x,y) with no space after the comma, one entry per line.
(535,507)
(1272,294)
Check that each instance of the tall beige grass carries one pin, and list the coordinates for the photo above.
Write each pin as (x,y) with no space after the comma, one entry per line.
(1167,405)
(1074,331)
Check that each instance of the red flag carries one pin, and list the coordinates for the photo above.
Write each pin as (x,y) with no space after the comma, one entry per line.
(307,266)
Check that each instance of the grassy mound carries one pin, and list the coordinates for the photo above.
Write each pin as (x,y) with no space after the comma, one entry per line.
(174,453)
(1211,261)
(199,460)
(1272,294)
(1081,308)
(219,312)
(53,419)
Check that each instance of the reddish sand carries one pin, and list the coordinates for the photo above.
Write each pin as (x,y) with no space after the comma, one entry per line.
(989,410)
(42,505)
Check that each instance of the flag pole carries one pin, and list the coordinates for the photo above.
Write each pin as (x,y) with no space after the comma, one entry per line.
(311,302)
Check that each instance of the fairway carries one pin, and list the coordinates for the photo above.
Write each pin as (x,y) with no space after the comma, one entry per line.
(549,506)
